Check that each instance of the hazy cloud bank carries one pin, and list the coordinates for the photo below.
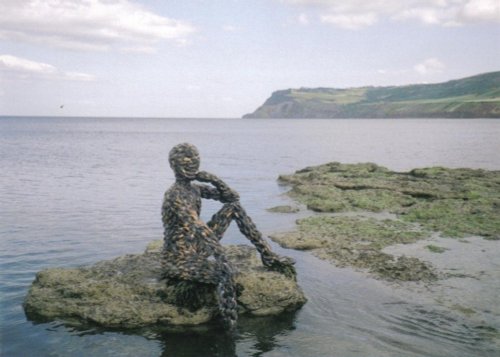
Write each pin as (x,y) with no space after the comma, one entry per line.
(89,24)
(26,69)
(356,14)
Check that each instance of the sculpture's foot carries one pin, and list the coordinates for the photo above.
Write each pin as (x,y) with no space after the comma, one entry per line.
(230,320)
(282,265)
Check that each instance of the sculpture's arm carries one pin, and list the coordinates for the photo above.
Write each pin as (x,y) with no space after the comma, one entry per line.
(209,192)
(222,192)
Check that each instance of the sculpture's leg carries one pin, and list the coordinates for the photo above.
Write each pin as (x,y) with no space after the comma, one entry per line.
(217,273)
(222,219)
(234,211)
(220,271)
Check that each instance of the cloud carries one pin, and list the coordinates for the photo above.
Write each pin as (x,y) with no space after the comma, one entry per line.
(480,11)
(392,72)
(88,24)
(229,28)
(193,88)
(350,22)
(356,14)
(26,69)
(430,66)
(78,76)
(303,19)
(13,63)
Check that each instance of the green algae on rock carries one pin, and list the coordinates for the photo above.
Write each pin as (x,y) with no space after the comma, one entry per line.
(456,202)
(129,292)
(358,242)
(435,249)
(284,209)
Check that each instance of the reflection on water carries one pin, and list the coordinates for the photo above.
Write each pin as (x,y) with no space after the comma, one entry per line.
(210,343)
(259,334)
(263,332)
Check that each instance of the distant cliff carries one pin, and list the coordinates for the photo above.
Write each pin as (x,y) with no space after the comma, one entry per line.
(471,97)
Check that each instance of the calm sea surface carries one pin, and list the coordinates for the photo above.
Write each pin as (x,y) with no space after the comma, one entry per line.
(74,191)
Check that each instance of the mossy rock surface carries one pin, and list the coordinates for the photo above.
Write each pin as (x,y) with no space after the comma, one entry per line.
(284,209)
(129,292)
(358,242)
(455,202)
(452,202)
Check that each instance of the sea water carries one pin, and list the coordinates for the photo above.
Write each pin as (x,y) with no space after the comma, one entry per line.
(74,191)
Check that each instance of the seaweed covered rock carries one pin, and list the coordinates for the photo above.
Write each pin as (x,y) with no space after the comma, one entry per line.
(284,209)
(129,292)
(358,242)
(421,203)
(456,202)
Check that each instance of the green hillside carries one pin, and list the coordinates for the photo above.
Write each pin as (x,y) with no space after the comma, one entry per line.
(471,97)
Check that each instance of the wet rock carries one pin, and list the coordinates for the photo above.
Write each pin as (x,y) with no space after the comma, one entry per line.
(284,209)
(435,249)
(455,202)
(358,242)
(405,269)
(129,292)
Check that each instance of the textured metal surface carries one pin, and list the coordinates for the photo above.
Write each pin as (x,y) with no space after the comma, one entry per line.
(191,249)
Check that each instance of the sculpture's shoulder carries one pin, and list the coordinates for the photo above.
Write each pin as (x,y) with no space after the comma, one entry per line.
(170,196)
(171,192)
(180,193)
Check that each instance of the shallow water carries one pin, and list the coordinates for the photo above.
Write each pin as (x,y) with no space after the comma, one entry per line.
(75,191)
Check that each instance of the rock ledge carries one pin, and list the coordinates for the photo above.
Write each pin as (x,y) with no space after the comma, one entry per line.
(128,292)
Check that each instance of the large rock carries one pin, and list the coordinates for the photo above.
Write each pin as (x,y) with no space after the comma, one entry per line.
(456,202)
(422,203)
(129,292)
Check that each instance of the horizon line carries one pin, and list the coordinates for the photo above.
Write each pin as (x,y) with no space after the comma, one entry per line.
(111,117)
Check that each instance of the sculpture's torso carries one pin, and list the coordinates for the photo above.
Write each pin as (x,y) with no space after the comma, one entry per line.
(182,241)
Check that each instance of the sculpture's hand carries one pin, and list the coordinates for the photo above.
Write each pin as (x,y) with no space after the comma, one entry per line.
(229,196)
(204,176)
(282,265)
(226,193)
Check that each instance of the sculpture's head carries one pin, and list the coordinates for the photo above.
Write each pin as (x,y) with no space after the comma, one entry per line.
(184,159)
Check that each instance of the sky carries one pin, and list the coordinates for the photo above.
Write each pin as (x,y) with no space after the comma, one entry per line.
(224,58)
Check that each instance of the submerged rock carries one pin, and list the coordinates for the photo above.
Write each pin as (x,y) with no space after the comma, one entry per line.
(284,209)
(129,292)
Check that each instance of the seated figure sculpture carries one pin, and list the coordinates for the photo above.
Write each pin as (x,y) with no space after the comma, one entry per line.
(191,250)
